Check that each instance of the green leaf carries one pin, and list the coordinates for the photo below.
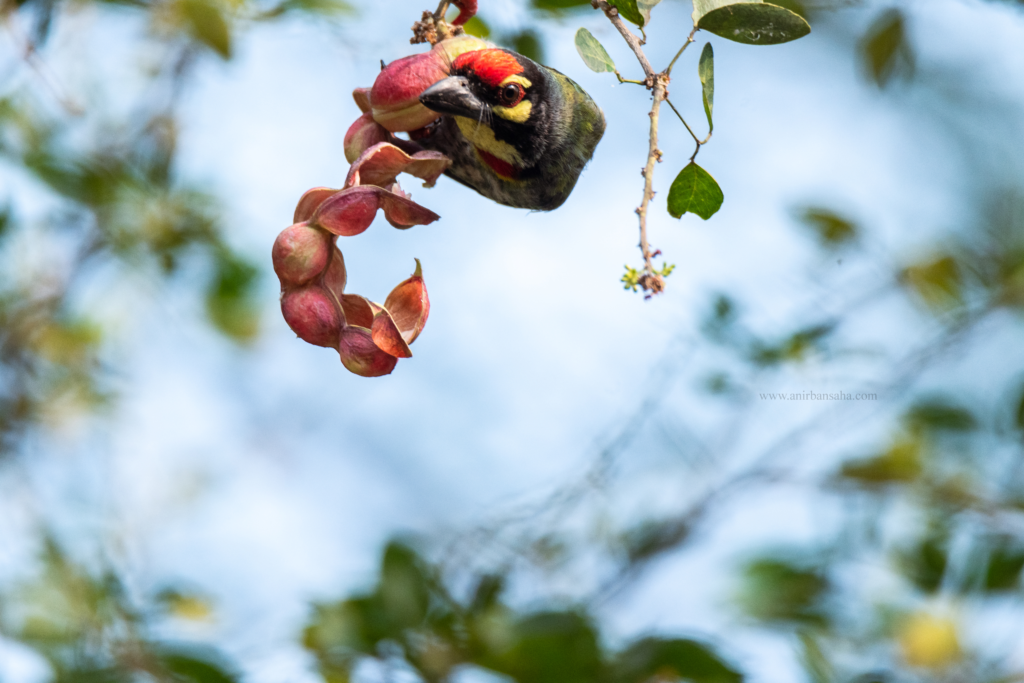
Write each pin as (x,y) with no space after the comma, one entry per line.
(645,7)
(814,659)
(940,414)
(652,537)
(593,53)
(885,49)
(652,659)
(833,230)
(477,27)
(628,10)
(755,23)
(702,7)
(551,647)
(5,219)
(404,588)
(208,25)
(1019,415)
(317,7)
(558,6)
(1005,565)
(925,563)
(230,302)
(527,44)
(706,71)
(191,668)
(694,190)
(937,282)
(780,590)
(902,463)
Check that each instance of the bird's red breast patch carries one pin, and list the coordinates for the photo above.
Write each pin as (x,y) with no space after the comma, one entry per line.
(490,66)
(499,166)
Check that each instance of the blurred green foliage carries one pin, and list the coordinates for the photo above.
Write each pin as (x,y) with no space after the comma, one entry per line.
(411,620)
(109,184)
(886,50)
(88,630)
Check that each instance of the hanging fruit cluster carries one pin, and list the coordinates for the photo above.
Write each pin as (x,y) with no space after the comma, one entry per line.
(369,337)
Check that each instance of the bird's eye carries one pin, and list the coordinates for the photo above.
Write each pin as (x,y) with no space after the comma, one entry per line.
(511,94)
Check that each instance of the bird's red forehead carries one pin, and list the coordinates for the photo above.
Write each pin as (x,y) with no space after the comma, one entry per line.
(490,66)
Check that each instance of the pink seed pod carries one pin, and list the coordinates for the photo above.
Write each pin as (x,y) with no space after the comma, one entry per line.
(361,356)
(300,253)
(362,135)
(409,305)
(362,98)
(395,96)
(386,335)
(358,310)
(336,275)
(467,10)
(313,315)
(381,164)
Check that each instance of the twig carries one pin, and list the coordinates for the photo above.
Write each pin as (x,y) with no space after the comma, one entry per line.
(28,52)
(628,80)
(650,280)
(699,142)
(689,39)
(634,43)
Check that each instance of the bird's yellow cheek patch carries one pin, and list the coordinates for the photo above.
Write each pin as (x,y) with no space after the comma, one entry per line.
(519,113)
(483,137)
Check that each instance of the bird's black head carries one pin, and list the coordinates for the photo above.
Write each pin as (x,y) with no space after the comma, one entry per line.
(502,102)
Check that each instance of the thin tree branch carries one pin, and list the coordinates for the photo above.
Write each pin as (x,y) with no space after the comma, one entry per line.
(689,39)
(634,43)
(692,134)
(699,142)
(627,80)
(49,80)
(651,280)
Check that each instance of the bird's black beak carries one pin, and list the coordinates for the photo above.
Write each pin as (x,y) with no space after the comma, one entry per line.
(452,96)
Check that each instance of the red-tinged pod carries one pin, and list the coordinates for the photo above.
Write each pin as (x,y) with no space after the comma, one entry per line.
(409,305)
(362,135)
(395,96)
(358,310)
(467,10)
(300,253)
(312,314)
(380,165)
(404,213)
(336,276)
(362,98)
(387,336)
(309,202)
(361,356)
(349,212)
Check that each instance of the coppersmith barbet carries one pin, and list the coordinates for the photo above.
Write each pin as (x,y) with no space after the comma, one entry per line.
(517,132)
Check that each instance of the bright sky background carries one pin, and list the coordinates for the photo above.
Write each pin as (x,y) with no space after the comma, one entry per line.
(271,476)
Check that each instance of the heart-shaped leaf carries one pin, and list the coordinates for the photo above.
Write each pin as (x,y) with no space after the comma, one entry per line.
(694,191)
